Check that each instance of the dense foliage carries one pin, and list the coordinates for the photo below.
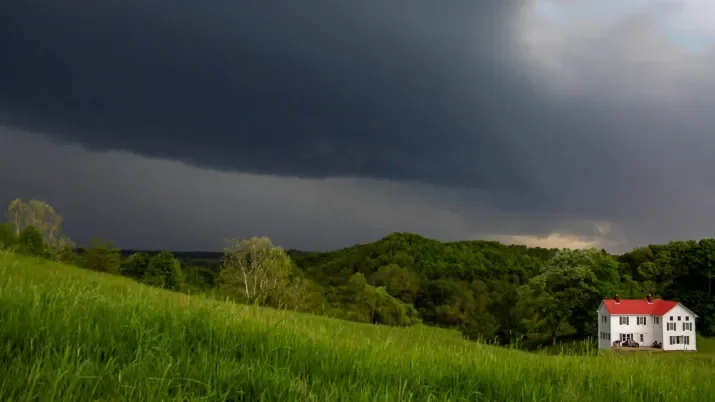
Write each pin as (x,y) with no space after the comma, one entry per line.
(483,288)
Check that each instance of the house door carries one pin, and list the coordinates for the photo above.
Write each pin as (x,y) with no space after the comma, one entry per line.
(625,337)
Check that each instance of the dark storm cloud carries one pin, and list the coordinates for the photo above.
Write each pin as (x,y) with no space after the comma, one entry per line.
(138,202)
(312,88)
(606,124)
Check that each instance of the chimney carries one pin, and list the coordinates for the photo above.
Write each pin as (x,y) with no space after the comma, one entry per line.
(617,298)
(649,298)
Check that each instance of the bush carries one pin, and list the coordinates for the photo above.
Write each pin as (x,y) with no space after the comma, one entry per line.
(362,302)
(136,265)
(101,256)
(164,271)
(30,242)
(63,252)
(8,238)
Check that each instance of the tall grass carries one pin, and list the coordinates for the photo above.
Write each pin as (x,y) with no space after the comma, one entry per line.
(70,334)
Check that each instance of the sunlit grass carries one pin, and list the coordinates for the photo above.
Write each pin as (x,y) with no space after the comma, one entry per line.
(71,334)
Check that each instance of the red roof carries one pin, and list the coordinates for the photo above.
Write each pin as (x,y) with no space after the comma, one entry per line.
(639,306)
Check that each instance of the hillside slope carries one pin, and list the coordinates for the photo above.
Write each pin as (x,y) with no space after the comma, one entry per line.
(71,334)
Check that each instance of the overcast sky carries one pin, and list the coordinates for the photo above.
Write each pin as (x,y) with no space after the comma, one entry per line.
(322,123)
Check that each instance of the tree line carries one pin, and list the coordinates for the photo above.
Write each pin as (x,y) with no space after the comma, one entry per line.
(485,289)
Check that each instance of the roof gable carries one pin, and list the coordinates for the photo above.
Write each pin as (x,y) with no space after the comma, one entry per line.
(689,311)
(640,306)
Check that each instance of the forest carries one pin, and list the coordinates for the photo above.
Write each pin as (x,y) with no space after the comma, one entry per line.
(485,289)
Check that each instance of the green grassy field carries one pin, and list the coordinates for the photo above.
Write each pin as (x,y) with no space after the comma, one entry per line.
(71,334)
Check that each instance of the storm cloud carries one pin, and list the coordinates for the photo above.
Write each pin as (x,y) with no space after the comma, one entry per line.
(498,119)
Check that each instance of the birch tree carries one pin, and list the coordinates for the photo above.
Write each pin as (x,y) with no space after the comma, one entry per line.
(254,269)
(40,215)
(15,213)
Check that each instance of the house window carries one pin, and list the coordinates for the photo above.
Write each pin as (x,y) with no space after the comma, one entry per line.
(671,318)
(642,338)
(656,320)
(680,340)
(609,335)
(687,326)
(671,326)
(687,318)
(604,319)
(678,318)
(640,320)
(623,320)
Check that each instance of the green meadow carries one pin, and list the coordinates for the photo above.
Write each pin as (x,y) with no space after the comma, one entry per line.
(77,335)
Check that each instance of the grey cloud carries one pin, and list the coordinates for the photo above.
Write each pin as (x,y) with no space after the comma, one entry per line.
(320,89)
(519,124)
(139,202)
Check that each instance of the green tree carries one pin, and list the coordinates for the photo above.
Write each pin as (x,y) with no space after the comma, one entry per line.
(608,282)
(399,282)
(411,267)
(303,295)
(164,271)
(101,256)
(636,258)
(558,292)
(136,265)
(479,322)
(705,259)
(30,242)
(359,301)
(255,270)
(198,277)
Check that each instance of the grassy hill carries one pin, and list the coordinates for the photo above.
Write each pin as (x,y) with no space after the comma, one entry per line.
(72,334)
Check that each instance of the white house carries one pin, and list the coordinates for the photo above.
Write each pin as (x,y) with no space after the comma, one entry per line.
(646,321)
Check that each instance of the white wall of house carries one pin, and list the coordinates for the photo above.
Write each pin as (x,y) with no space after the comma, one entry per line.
(657,330)
(604,341)
(628,326)
(684,338)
